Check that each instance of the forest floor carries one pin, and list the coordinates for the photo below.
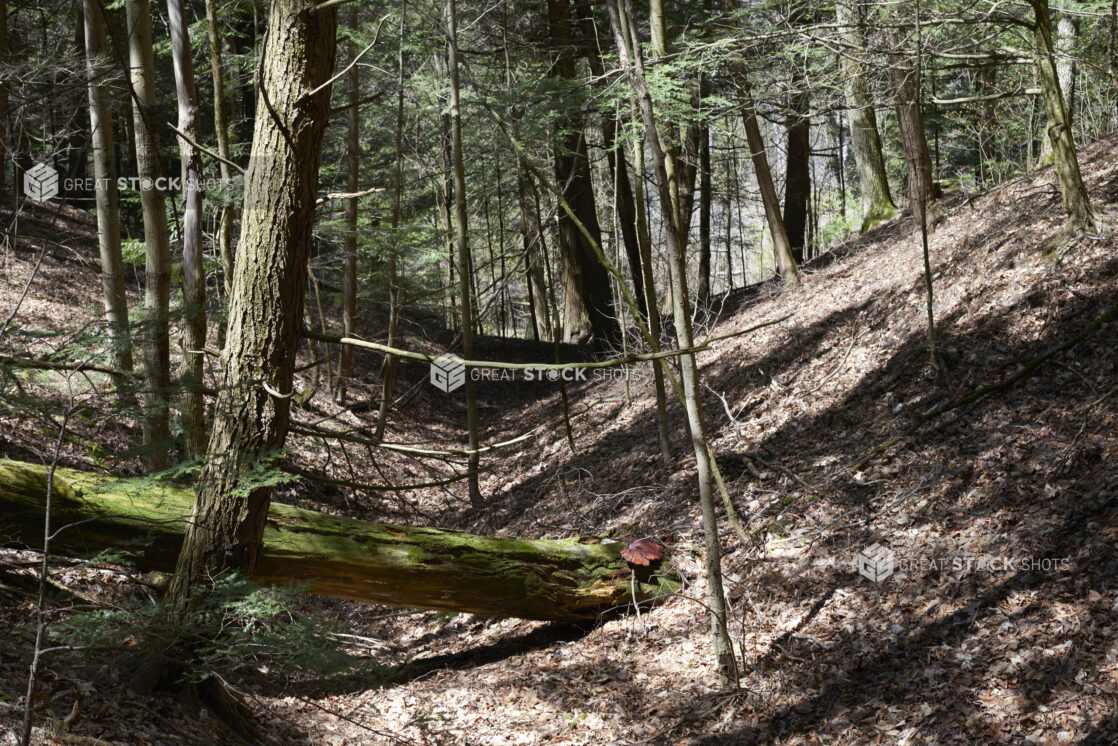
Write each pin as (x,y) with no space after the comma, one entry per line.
(1000,624)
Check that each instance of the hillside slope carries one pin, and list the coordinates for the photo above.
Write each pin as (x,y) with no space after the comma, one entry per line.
(1000,624)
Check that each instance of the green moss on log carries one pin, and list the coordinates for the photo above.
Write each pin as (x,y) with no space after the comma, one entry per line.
(408,566)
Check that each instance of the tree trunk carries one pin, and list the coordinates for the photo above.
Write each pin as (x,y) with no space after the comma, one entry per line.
(193,271)
(587,295)
(702,292)
(785,262)
(988,124)
(615,155)
(650,300)
(1067,28)
(157,272)
(394,251)
(628,44)
(353,175)
(1064,158)
(221,131)
(910,120)
(4,96)
(865,141)
(266,310)
(462,240)
(407,566)
(446,194)
(106,196)
(797,173)
(531,228)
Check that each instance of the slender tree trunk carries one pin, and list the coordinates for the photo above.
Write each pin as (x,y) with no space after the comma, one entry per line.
(632,63)
(157,272)
(193,271)
(76,139)
(1112,63)
(702,293)
(1064,158)
(462,240)
(447,195)
(587,295)
(988,124)
(650,300)
(786,263)
(266,310)
(106,196)
(4,96)
(394,251)
(731,189)
(353,175)
(221,131)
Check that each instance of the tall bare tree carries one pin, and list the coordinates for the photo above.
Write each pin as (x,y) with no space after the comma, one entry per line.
(106,195)
(221,132)
(157,242)
(349,246)
(193,271)
(462,241)
(629,48)
(394,249)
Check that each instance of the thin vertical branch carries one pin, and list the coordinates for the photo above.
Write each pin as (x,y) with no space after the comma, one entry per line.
(40,619)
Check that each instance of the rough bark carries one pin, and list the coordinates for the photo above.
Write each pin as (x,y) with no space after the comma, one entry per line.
(797,131)
(865,140)
(193,271)
(407,566)
(797,172)
(910,120)
(1064,158)
(265,314)
(157,267)
(106,196)
(1067,28)
(587,295)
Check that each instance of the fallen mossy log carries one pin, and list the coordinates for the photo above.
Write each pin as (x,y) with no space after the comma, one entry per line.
(406,566)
